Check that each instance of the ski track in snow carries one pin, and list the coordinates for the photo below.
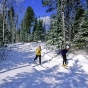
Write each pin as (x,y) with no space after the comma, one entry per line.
(19,71)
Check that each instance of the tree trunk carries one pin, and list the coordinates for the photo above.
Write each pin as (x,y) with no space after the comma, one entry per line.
(63,22)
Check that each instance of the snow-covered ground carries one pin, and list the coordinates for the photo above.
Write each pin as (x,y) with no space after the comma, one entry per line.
(18,70)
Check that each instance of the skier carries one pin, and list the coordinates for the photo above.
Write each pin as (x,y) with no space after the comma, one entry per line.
(63,53)
(38,54)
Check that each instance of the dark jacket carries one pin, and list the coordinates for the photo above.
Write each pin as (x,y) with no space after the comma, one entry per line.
(63,52)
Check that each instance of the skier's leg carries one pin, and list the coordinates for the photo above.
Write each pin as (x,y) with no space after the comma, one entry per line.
(63,60)
(39,59)
(36,57)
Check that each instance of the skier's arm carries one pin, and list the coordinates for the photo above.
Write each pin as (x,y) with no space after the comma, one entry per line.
(39,51)
(59,52)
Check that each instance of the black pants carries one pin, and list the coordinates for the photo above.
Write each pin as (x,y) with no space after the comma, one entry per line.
(39,58)
(64,59)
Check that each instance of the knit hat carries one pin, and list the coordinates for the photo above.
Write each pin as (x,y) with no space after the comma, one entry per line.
(67,47)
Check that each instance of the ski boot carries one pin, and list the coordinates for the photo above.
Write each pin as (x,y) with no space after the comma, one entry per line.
(66,66)
(63,65)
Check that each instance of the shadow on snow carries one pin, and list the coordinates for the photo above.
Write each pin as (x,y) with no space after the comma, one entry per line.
(49,78)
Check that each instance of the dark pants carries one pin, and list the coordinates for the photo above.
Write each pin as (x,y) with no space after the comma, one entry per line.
(64,59)
(39,58)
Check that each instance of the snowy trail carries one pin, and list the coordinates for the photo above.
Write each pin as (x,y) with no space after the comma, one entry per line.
(17,71)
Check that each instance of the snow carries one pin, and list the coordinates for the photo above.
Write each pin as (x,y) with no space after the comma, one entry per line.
(19,71)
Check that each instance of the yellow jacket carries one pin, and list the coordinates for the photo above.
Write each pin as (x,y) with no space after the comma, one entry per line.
(38,51)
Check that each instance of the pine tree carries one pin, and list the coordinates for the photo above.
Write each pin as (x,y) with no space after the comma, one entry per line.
(81,37)
(38,31)
(54,35)
(35,25)
(70,12)
(59,7)
(11,23)
(27,22)
(87,4)
(1,31)
(18,33)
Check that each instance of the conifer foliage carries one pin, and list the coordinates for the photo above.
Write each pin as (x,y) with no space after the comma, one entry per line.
(38,30)
(69,24)
(27,24)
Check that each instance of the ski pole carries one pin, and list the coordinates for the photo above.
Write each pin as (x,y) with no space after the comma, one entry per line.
(52,58)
